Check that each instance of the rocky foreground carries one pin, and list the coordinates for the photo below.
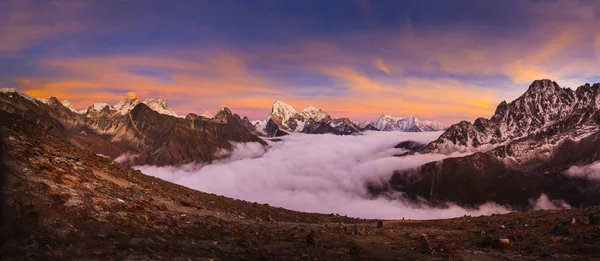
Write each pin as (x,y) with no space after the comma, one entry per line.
(67,203)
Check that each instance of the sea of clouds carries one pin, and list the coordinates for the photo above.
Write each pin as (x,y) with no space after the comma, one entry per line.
(318,173)
(591,171)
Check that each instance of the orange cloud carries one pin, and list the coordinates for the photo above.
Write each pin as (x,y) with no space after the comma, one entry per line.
(381,66)
(93,79)
(446,98)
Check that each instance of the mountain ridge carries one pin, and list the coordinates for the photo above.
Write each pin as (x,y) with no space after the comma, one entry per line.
(524,150)
(153,138)
(313,120)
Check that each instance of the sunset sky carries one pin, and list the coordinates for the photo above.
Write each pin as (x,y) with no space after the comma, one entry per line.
(444,60)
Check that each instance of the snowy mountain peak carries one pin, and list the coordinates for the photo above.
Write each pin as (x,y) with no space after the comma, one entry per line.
(311,112)
(410,124)
(226,111)
(544,108)
(283,108)
(8,90)
(125,106)
(207,114)
(543,85)
(97,107)
(285,116)
(159,105)
(68,105)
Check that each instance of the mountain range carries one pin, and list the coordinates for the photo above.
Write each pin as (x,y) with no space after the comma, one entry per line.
(283,119)
(524,150)
(139,132)
(520,153)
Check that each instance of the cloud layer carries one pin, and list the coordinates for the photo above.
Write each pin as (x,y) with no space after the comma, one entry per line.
(591,171)
(317,173)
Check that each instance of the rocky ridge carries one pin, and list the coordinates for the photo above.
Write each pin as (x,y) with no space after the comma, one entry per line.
(523,151)
(142,134)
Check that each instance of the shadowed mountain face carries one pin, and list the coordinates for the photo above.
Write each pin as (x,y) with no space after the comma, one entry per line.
(143,135)
(523,151)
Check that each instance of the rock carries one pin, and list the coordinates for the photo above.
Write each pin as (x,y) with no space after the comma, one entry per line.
(312,238)
(379,224)
(69,180)
(501,243)
(593,219)
(425,245)
(562,228)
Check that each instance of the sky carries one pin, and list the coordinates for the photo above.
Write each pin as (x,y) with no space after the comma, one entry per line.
(436,59)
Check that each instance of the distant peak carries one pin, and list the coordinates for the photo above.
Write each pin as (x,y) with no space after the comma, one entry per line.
(8,90)
(207,114)
(159,105)
(278,103)
(225,110)
(543,85)
(282,107)
(311,108)
(159,101)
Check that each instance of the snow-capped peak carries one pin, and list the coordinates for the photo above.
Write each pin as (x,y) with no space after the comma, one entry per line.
(13,90)
(207,114)
(311,112)
(285,116)
(410,123)
(68,105)
(160,106)
(125,106)
(96,107)
(8,90)
(282,108)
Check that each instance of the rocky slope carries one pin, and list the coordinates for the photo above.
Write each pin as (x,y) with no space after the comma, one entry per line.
(64,202)
(135,132)
(522,151)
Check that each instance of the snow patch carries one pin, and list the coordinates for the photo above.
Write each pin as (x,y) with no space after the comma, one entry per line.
(160,106)
(207,114)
